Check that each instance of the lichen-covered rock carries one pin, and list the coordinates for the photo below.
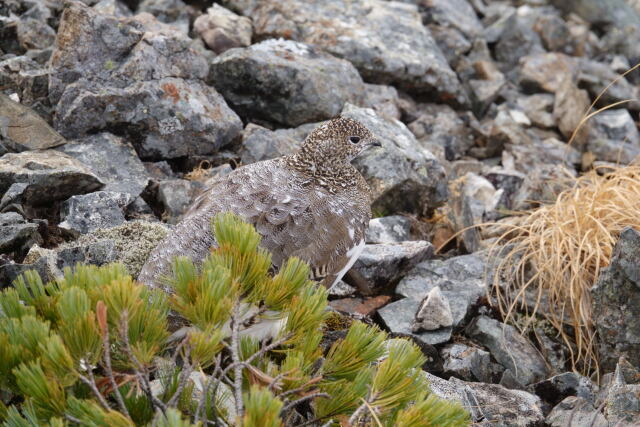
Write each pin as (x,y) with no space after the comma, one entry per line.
(574,410)
(389,229)
(222,29)
(138,77)
(555,389)
(614,137)
(509,348)
(399,317)
(113,160)
(466,363)
(546,71)
(616,303)
(45,176)
(16,233)
(285,81)
(259,143)
(434,312)
(21,76)
(403,176)
(176,196)
(89,212)
(386,41)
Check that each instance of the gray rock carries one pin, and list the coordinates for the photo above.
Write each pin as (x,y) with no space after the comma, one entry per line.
(616,303)
(34,34)
(27,79)
(388,229)
(141,78)
(398,316)
(259,143)
(509,348)
(441,126)
(466,363)
(610,12)
(16,234)
(557,388)
(341,289)
(176,196)
(575,411)
(403,176)
(112,7)
(555,33)
(112,160)
(95,253)
(285,81)
(380,266)
(570,106)
(490,404)
(546,71)
(386,41)
(90,212)
(434,312)
(539,109)
(11,271)
(518,40)
(222,29)
(613,137)
(45,176)
(461,280)
(383,99)
(596,76)
(453,13)
(453,44)
(174,12)
(22,129)
(623,404)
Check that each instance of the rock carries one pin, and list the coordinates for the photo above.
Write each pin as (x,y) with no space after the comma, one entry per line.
(518,40)
(623,404)
(557,388)
(509,348)
(497,17)
(398,317)
(95,253)
(176,196)
(34,34)
(602,12)
(380,266)
(9,272)
(22,129)
(570,107)
(22,77)
(222,29)
(461,280)
(90,212)
(45,176)
(575,411)
(140,78)
(16,234)
(539,155)
(451,42)
(112,7)
(112,160)
(466,363)
(616,303)
(546,71)
(386,41)
(454,13)
(259,143)
(508,183)
(366,306)
(539,109)
(285,81)
(596,76)
(388,229)
(486,84)
(434,312)
(383,100)
(555,34)
(174,12)
(341,289)
(440,125)
(613,137)
(403,176)
(487,402)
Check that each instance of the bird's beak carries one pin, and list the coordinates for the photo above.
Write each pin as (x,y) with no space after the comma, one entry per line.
(375,143)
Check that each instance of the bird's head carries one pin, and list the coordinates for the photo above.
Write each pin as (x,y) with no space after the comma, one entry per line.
(338,141)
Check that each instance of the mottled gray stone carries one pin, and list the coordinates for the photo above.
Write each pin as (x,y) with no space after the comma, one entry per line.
(222,29)
(398,316)
(386,41)
(613,137)
(383,100)
(95,253)
(34,34)
(509,348)
(176,196)
(389,229)
(546,71)
(434,312)
(575,411)
(174,12)
(112,160)
(16,233)
(403,176)
(596,76)
(616,303)
(610,12)
(466,363)
(380,266)
(538,108)
(570,106)
(22,129)
(22,76)
(259,143)
(440,125)
(555,389)
(136,76)
(285,81)
(112,7)
(517,40)
(89,212)
(45,176)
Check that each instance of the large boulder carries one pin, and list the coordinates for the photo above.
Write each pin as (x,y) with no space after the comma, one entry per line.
(386,41)
(616,303)
(139,77)
(22,129)
(285,81)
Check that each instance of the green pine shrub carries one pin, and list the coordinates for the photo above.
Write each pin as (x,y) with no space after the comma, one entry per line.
(96,348)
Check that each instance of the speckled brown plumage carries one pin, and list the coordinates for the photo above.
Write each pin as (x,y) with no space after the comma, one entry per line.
(312,204)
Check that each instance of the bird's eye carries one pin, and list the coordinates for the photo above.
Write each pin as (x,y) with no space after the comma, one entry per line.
(354,139)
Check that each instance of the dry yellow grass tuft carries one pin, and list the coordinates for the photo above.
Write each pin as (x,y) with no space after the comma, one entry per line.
(555,254)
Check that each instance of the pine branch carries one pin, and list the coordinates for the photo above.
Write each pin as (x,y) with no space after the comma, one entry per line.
(296,402)
(235,356)
(184,376)
(91,383)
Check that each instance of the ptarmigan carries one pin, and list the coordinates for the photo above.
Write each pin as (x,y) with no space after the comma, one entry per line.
(312,204)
